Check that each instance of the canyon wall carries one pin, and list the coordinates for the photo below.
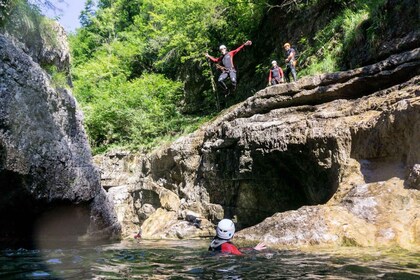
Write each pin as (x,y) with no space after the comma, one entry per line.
(330,159)
(51,190)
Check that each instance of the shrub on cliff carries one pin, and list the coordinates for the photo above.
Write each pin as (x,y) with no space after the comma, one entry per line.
(127,47)
(123,40)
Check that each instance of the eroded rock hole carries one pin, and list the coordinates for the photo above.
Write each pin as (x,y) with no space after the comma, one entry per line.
(391,147)
(276,181)
(29,222)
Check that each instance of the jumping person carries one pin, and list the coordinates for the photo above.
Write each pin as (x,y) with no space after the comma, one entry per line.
(224,233)
(276,75)
(225,64)
(290,62)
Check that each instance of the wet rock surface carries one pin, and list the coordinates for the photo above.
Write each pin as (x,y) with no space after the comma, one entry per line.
(331,159)
(45,160)
(376,214)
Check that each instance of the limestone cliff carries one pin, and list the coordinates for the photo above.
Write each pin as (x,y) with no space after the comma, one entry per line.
(50,188)
(331,159)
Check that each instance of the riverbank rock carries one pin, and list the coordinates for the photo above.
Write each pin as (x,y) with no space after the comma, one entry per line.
(376,214)
(50,187)
(328,160)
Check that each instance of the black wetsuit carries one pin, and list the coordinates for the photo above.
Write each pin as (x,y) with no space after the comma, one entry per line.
(290,66)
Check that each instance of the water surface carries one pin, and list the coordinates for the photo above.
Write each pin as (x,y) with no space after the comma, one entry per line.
(190,260)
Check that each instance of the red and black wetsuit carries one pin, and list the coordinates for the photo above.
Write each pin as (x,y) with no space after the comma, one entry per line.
(276,74)
(223,246)
(227,62)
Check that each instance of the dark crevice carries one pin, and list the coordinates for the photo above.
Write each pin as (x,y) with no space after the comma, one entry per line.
(274,182)
(26,221)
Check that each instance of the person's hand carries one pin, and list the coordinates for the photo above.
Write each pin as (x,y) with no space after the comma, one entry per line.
(286,60)
(207,54)
(260,246)
(248,43)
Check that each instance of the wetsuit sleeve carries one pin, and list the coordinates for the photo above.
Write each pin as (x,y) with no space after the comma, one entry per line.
(281,72)
(269,76)
(215,59)
(232,53)
(230,248)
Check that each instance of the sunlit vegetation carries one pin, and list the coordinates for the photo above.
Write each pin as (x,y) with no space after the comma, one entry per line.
(131,58)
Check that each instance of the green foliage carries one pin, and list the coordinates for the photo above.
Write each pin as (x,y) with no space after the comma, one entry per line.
(129,56)
(5,8)
(21,19)
(134,113)
(87,14)
(26,23)
(58,78)
(326,52)
(126,48)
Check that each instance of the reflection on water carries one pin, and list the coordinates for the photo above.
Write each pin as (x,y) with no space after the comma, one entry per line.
(190,260)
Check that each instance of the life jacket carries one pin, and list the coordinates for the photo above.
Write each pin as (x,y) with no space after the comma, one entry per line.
(227,61)
(294,60)
(223,246)
(290,51)
(276,72)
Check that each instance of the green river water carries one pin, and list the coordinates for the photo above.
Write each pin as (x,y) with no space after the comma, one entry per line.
(146,259)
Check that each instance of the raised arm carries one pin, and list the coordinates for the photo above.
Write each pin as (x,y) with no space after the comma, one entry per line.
(247,43)
(213,58)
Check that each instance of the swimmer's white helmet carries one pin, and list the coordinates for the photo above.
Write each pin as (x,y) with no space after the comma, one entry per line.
(273,62)
(222,47)
(225,229)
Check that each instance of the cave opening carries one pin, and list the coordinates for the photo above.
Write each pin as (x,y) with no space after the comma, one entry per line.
(30,222)
(275,181)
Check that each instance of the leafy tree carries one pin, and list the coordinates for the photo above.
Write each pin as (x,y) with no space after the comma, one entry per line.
(125,43)
(87,14)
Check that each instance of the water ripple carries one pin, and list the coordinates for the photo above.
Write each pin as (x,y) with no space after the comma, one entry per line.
(190,260)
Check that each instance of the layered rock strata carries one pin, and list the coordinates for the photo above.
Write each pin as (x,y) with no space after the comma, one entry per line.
(331,159)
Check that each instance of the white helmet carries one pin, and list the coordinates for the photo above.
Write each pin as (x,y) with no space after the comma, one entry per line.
(222,47)
(273,62)
(225,229)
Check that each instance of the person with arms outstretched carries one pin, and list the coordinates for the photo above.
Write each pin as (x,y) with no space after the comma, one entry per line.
(222,241)
(225,64)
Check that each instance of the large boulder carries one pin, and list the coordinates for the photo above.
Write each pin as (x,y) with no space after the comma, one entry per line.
(375,214)
(49,184)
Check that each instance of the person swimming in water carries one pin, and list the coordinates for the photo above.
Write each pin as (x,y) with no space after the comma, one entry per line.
(222,241)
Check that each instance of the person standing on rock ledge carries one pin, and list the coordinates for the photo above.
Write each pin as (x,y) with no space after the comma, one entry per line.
(290,62)
(276,75)
(224,233)
(225,64)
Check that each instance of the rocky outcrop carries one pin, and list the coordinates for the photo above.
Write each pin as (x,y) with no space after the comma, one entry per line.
(330,159)
(49,184)
(374,214)
(43,39)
